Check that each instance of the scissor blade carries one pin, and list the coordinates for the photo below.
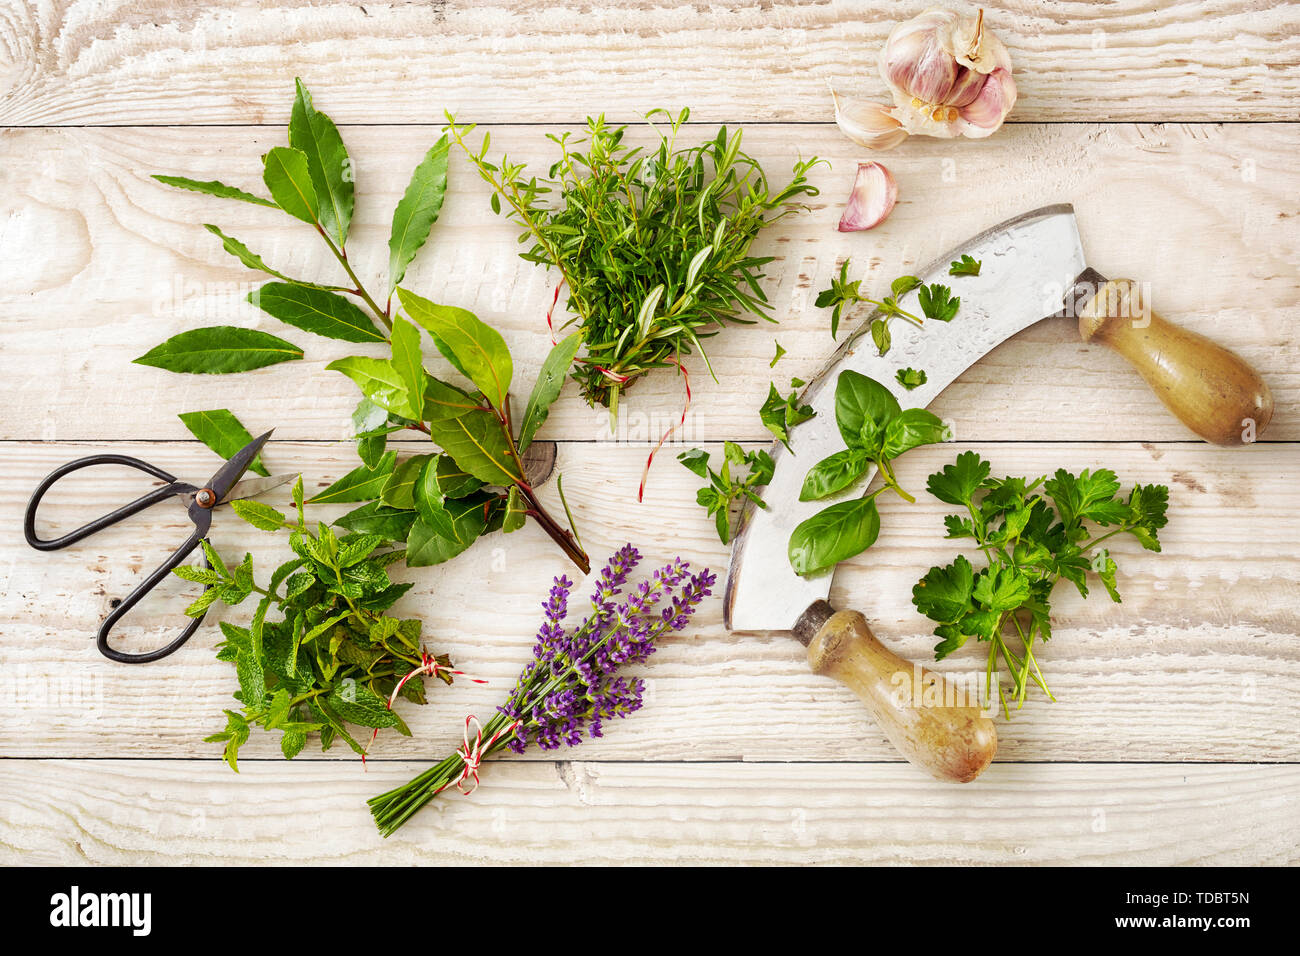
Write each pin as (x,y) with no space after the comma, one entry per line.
(234,469)
(252,487)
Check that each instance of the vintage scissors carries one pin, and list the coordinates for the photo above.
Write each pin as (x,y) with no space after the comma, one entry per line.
(222,487)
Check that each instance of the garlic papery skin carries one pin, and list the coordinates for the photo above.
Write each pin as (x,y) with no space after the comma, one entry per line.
(872,200)
(949,75)
(868,124)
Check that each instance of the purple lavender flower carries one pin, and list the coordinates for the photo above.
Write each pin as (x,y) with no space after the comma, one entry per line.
(572,685)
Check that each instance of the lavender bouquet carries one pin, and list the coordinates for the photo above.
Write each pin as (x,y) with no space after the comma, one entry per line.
(573,683)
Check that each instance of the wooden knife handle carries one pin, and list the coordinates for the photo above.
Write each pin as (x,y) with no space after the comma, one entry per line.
(917,708)
(1211,390)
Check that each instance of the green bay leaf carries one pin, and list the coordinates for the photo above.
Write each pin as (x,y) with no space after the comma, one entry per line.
(219,349)
(315,310)
(417,211)
(221,431)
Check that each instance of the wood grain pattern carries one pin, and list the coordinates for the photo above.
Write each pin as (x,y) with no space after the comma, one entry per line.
(89,244)
(193,812)
(1201,661)
(72,62)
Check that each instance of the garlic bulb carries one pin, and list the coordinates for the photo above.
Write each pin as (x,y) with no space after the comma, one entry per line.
(872,200)
(949,75)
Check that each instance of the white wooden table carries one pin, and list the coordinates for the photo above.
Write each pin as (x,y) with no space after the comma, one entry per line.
(1172,127)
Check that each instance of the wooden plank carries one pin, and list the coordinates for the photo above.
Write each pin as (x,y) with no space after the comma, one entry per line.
(100,263)
(1200,662)
(75,62)
(191,812)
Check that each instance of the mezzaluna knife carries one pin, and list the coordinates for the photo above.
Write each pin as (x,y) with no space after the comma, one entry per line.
(1031,266)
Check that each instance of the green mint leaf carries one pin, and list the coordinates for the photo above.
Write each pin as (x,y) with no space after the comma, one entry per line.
(550,380)
(833,474)
(910,378)
(957,483)
(213,188)
(314,135)
(966,266)
(260,516)
(315,310)
(360,484)
(221,431)
(937,302)
(834,534)
(777,357)
(187,572)
(476,349)
(417,211)
(219,349)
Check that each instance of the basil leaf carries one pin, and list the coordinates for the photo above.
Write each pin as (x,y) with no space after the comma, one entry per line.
(221,431)
(478,443)
(833,474)
(359,484)
(393,524)
(417,211)
(315,135)
(218,349)
(213,188)
(863,407)
(397,492)
(378,381)
(409,363)
(833,534)
(476,349)
(910,428)
(550,380)
(315,310)
(287,177)
(697,460)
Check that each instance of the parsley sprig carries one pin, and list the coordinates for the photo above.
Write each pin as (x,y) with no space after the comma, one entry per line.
(1029,541)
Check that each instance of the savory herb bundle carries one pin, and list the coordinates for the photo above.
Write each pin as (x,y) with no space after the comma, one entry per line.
(653,244)
(438,504)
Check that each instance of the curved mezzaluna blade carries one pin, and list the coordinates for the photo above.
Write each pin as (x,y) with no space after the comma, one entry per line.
(1027,264)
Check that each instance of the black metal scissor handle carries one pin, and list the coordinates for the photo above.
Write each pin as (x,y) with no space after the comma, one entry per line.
(171,489)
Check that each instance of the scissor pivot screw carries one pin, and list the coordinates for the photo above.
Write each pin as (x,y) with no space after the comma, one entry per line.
(205,498)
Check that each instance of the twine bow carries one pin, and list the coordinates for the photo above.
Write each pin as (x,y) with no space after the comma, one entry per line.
(472,755)
(428,667)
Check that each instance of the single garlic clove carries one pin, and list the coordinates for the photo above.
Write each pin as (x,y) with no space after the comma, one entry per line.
(986,113)
(872,200)
(868,124)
